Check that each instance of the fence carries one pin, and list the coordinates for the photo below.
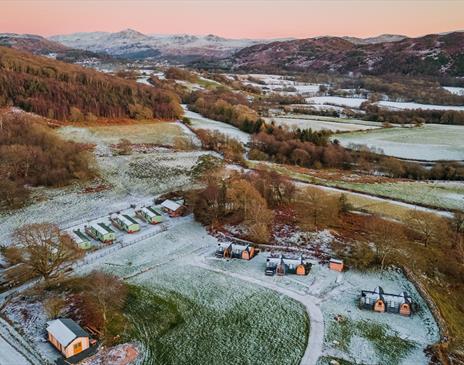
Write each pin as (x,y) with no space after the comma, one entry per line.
(92,257)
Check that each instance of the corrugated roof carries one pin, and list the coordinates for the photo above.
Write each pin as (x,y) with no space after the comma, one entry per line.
(65,330)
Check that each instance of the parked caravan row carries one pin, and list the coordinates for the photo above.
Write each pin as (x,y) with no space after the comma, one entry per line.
(103,233)
(282,265)
(234,251)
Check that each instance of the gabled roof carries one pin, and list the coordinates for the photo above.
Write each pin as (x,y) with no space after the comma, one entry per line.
(336,261)
(171,205)
(65,330)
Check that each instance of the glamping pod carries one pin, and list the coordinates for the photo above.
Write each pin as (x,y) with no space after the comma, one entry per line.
(172,208)
(336,265)
(150,215)
(282,265)
(124,223)
(234,251)
(379,301)
(81,240)
(101,232)
(67,336)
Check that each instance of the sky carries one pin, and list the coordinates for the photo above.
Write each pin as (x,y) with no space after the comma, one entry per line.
(234,18)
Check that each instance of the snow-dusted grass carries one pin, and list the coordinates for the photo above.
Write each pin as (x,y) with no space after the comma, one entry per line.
(367,332)
(446,195)
(317,124)
(200,122)
(454,90)
(156,133)
(336,100)
(130,179)
(224,320)
(430,142)
(406,105)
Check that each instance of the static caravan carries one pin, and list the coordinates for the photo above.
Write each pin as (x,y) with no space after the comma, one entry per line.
(150,215)
(282,265)
(124,223)
(234,251)
(67,336)
(172,208)
(81,240)
(101,232)
(336,265)
(379,301)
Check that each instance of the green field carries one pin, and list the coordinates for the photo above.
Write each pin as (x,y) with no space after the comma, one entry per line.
(431,142)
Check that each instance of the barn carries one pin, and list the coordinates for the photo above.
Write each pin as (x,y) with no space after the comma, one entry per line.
(282,265)
(67,336)
(101,232)
(379,301)
(150,215)
(172,208)
(234,251)
(125,223)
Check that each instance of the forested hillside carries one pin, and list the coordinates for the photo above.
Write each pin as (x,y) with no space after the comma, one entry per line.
(431,55)
(68,92)
(33,155)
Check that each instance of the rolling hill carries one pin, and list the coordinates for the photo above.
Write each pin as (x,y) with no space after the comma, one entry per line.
(69,92)
(433,55)
(41,46)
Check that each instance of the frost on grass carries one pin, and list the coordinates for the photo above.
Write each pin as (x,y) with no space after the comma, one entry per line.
(431,142)
(223,320)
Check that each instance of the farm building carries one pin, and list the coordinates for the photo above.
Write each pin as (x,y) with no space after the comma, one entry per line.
(281,265)
(101,232)
(234,251)
(67,336)
(81,240)
(125,223)
(336,265)
(150,215)
(172,208)
(379,301)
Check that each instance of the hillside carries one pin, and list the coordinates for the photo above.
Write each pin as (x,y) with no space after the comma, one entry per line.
(70,92)
(41,46)
(434,55)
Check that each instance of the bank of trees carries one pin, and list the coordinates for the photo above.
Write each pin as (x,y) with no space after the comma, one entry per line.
(226,106)
(51,89)
(32,154)
(245,200)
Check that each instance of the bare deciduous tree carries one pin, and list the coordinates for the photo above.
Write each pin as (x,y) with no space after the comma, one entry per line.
(44,249)
(428,228)
(106,292)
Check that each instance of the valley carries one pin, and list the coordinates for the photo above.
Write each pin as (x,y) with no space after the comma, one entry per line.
(183,199)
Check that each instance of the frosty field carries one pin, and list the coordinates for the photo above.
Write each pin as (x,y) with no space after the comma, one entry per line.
(224,320)
(317,123)
(200,122)
(431,142)
(337,295)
